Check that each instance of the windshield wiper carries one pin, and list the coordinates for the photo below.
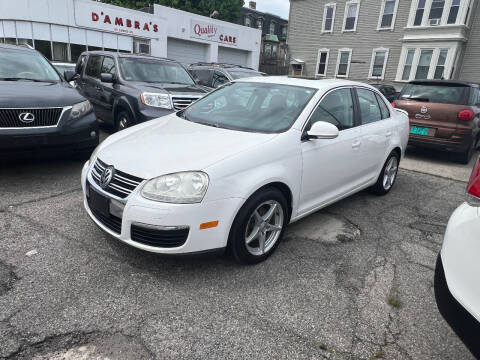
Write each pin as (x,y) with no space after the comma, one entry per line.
(26,79)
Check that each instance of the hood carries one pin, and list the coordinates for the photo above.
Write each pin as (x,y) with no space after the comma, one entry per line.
(28,94)
(170,88)
(172,144)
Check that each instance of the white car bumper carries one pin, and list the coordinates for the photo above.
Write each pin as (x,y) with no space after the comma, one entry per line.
(148,215)
(461,257)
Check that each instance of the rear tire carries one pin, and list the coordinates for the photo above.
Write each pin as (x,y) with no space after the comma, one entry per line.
(387,176)
(258,226)
(123,120)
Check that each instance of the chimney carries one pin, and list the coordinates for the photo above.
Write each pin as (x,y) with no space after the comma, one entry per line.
(253,5)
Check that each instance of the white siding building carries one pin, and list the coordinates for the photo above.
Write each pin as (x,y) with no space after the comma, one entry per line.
(63,29)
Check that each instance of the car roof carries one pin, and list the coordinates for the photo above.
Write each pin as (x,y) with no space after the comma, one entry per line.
(321,84)
(15,47)
(221,66)
(127,55)
(443,82)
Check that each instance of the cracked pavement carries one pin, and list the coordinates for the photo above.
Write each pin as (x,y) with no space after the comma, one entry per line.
(353,281)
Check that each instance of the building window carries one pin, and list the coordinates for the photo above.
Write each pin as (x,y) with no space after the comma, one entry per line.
(28,42)
(452,16)
(268,49)
(388,13)
(11,41)
(407,69)
(419,13)
(436,12)
(343,62)
(379,63)
(423,66)
(351,16)
(322,62)
(141,46)
(248,21)
(76,50)
(260,24)
(60,51)
(284,31)
(328,17)
(440,68)
(44,47)
(272,28)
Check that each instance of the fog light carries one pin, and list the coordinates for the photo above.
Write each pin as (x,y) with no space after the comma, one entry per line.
(93,134)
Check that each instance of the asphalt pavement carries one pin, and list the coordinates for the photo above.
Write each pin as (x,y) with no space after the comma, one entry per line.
(353,281)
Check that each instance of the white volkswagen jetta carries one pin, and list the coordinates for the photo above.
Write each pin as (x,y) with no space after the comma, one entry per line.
(457,288)
(233,169)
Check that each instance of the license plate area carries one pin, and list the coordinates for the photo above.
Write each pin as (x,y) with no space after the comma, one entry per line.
(422,131)
(98,202)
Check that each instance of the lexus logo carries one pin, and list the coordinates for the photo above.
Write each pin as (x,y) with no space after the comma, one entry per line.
(424,110)
(26,117)
(107,176)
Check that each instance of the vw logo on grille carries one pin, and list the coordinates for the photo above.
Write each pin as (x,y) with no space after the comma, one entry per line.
(107,176)
(26,117)
(424,110)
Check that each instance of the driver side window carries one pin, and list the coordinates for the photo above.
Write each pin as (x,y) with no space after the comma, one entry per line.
(336,108)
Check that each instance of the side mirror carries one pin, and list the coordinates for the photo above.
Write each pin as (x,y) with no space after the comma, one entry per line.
(69,75)
(106,78)
(322,130)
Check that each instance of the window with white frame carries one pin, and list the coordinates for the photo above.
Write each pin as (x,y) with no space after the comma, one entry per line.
(419,13)
(436,12)
(427,62)
(452,15)
(379,63)
(328,17)
(272,27)
(440,68)
(248,21)
(407,68)
(343,62)
(322,62)
(424,62)
(351,15)
(387,14)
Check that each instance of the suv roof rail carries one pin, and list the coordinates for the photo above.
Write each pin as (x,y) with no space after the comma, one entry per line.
(226,65)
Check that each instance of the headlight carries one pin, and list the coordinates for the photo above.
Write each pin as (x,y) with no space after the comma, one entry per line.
(157,100)
(179,188)
(80,109)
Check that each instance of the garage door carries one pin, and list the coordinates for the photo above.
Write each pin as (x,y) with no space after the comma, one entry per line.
(232,56)
(186,52)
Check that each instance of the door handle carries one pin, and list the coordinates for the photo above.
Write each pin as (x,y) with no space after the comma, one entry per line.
(356,144)
(388,134)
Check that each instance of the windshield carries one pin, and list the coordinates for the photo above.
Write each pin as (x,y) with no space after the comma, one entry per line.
(255,107)
(154,71)
(446,94)
(25,65)
(243,74)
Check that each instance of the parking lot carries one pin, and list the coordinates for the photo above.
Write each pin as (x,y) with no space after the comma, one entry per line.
(353,281)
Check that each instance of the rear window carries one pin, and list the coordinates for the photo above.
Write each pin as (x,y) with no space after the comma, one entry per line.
(445,94)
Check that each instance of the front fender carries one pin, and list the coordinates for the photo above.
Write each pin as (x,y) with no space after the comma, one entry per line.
(123,102)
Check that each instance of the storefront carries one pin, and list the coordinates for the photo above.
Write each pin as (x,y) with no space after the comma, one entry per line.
(63,29)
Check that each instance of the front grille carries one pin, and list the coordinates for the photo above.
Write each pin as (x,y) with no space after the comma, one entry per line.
(159,238)
(122,183)
(181,102)
(10,118)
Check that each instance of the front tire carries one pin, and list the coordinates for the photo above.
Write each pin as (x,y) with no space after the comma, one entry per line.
(388,175)
(259,226)
(123,120)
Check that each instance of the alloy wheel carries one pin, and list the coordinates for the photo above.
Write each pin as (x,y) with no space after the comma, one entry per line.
(264,227)
(390,173)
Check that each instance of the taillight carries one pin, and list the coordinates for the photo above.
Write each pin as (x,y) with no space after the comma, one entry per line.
(465,115)
(473,188)
(394,105)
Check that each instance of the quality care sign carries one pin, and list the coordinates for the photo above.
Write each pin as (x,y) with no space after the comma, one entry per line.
(213,32)
(92,14)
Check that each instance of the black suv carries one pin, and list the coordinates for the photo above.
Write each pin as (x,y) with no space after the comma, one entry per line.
(129,89)
(213,75)
(39,109)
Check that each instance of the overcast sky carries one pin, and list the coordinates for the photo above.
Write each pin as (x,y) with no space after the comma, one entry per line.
(276,7)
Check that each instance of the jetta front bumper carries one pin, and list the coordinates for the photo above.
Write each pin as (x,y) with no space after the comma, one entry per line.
(142,223)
